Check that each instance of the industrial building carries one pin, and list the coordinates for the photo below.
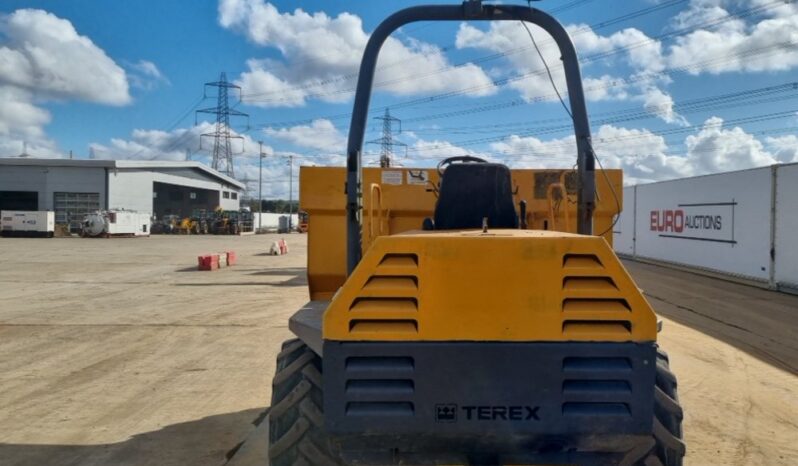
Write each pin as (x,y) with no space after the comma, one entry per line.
(72,188)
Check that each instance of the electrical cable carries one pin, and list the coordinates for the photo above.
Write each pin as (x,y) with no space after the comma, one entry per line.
(172,127)
(596,57)
(689,69)
(589,143)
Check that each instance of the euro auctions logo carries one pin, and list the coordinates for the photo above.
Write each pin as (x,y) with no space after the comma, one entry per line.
(675,221)
(699,222)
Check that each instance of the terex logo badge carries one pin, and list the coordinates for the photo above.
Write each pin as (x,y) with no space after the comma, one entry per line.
(502,413)
(448,413)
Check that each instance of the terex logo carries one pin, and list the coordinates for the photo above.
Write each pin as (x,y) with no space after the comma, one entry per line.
(448,413)
(503,413)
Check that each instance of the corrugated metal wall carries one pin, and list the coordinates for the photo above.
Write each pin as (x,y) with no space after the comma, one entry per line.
(740,223)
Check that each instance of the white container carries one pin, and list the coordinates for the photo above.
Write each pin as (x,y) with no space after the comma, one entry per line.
(27,223)
(116,223)
(128,223)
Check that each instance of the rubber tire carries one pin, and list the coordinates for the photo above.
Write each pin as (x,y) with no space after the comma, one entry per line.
(668,448)
(296,418)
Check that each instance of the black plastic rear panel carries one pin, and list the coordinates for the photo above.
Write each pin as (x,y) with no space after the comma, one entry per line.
(496,388)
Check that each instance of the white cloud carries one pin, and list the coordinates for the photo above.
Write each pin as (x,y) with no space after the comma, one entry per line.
(144,74)
(319,135)
(19,117)
(735,40)
(43,58)
(640,153)
(428,153)
(605,87)
(642,54)
(645,156)
(785,148)
(659,103)
(45,53)
(762,40)
(322,54)
(148,144)
(505,36)
(715,149)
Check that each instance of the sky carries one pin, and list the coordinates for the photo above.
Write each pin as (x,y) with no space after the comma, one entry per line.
(675,88)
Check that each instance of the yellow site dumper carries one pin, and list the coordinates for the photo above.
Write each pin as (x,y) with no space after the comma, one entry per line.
(470,314)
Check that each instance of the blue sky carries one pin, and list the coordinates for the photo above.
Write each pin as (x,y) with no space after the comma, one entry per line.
(676,87)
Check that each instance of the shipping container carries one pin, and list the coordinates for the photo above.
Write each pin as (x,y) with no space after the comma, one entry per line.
(742,224)
(27,223)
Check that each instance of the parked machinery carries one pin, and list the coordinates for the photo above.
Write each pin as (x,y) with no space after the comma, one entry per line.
(223,222)
(232,222)
(168,225)
(188,226)
(442,329)
(201,219)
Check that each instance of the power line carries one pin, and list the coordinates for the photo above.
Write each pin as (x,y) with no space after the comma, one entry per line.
(482,59)
(473,142)
(623,81)
(615,83)
(504,81)
(569,6)
(755,96)
(170,128)
(554,152)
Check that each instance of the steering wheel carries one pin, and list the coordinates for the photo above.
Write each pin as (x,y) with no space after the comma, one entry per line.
(460,158)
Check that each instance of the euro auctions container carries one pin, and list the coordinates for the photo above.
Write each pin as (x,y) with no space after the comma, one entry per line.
(27,223)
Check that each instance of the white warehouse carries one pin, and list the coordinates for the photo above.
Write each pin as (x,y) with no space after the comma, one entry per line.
(73,188)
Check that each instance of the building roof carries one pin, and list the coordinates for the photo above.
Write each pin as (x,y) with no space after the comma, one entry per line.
(121,164)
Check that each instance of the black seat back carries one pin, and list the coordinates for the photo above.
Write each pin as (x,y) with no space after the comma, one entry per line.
(471,191)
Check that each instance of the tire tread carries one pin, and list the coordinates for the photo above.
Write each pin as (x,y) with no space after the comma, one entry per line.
(296,419)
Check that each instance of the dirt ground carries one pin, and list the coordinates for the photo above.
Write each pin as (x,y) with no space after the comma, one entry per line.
(116,352)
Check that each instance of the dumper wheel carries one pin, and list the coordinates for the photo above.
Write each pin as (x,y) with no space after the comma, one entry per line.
(667,447)
(296,419)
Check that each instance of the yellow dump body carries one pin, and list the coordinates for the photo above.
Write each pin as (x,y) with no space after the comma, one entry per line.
(396,200)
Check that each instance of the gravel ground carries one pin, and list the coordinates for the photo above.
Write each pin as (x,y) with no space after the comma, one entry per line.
(118,352)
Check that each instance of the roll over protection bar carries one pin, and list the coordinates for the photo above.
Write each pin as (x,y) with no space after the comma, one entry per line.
(470,10)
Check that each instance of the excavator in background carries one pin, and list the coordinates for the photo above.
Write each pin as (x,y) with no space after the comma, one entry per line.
(470,314)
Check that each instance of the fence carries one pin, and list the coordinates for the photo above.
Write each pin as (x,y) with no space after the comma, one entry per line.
(743,224)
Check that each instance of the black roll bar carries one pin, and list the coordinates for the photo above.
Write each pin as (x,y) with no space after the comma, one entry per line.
(470,10)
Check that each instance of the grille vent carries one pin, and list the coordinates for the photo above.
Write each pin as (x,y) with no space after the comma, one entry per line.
(380,386)
(593,307)
(388,301)
(597,387)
